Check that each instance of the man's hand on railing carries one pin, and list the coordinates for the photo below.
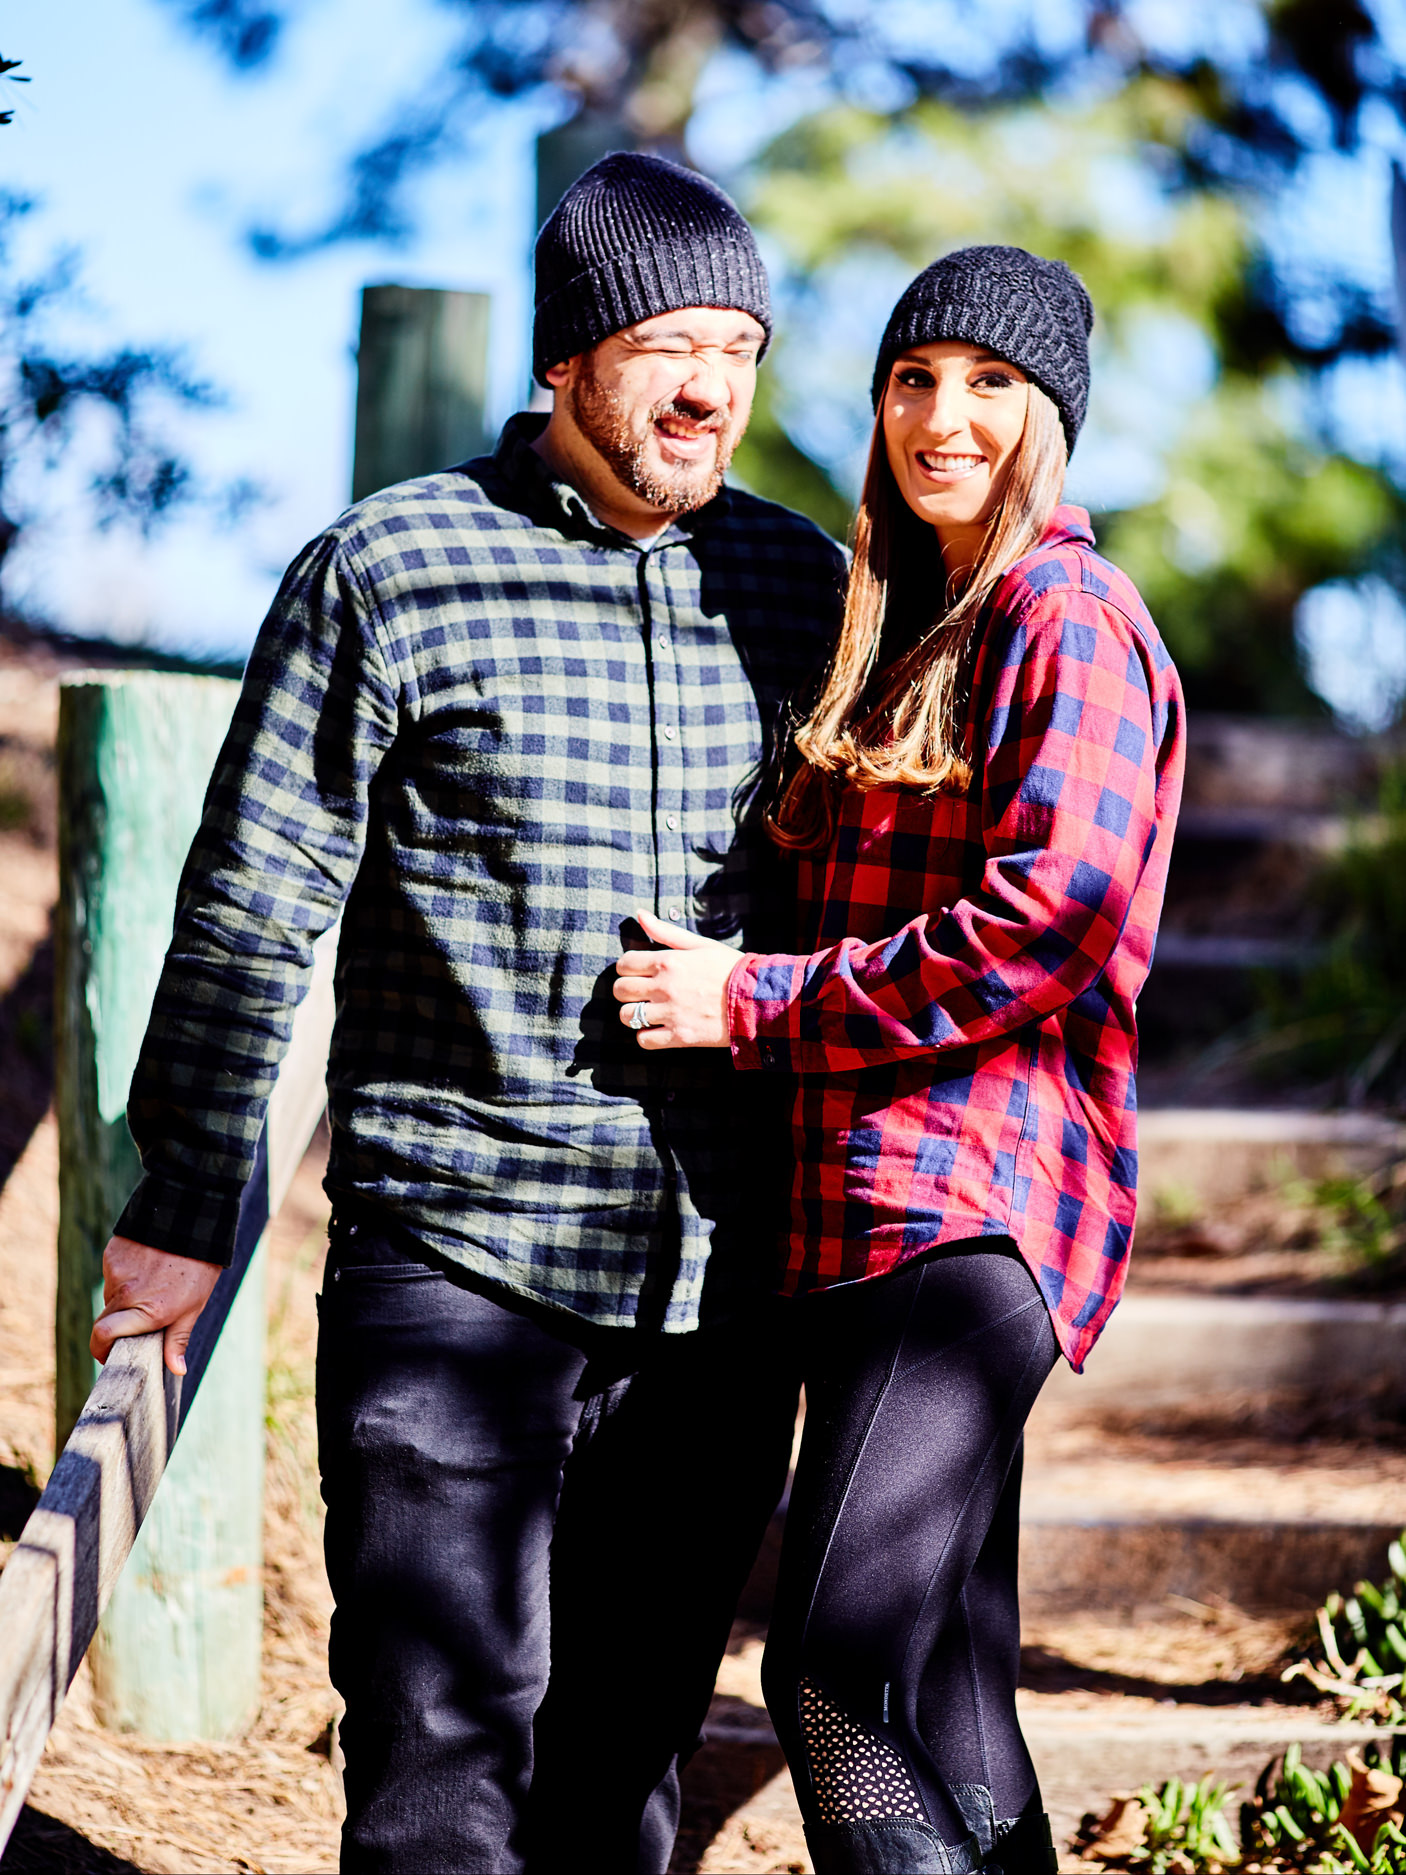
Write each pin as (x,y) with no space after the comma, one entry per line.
(146,1289)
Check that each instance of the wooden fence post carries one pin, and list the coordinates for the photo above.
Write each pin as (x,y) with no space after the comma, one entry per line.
(421,383)
(177,1655)
(570,149)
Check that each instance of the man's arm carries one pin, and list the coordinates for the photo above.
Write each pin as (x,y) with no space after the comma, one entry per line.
(279,844)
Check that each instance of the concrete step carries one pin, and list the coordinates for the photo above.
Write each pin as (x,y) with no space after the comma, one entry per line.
(1219,951)
(1205,1156)
(1161,1350)
(1279,764)
(1121,1566)
(1118,1520)
(1083,1754)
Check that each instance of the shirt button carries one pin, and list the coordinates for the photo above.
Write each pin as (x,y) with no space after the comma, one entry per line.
(671,821)
(669,733)
(663,641)
(674,914)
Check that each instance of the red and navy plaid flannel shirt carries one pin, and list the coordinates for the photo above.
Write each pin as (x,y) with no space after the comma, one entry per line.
(963,1034)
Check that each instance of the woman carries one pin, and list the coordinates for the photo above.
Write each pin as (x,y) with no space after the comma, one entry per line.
(982,799)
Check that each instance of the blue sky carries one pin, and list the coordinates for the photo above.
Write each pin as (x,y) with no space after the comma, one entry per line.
(152,160)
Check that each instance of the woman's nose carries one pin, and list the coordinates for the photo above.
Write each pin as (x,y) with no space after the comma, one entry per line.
(947,412)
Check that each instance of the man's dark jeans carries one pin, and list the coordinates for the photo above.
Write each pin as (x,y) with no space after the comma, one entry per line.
(536,1536)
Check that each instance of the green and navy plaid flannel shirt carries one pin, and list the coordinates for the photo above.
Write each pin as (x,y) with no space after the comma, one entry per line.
(483,728)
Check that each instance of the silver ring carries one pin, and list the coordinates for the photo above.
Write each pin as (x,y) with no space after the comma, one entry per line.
(639,1020)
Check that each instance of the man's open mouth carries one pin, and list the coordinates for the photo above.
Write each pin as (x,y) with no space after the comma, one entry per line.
(685,439)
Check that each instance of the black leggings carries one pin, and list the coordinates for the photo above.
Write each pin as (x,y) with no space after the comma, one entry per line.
(891,1669)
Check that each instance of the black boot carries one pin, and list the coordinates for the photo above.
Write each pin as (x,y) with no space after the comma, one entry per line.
(888,1846)
(1023,1846)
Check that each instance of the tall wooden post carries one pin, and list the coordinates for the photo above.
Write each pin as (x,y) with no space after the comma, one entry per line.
(422,373)
(568,151)
(177,1654)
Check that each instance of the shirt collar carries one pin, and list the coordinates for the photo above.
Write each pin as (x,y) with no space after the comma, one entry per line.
(1068,524)
(562,506)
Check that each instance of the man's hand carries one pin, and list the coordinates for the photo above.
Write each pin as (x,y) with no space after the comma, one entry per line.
(144,1289)
(683,988)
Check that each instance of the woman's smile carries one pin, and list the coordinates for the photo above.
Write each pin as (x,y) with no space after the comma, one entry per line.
(943,467)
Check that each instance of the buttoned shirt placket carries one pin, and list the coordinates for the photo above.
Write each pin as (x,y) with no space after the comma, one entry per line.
(671,755)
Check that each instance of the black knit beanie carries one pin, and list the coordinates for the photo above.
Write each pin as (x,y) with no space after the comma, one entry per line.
(633,237)
(1033,312)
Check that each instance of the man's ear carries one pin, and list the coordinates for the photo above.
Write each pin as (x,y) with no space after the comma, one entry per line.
(559,376)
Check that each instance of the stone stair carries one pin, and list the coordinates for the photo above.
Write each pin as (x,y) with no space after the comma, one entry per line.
(1265,801)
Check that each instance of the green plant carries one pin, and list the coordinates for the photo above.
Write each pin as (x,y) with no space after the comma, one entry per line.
(1363,1637)
(1185,1831)
(1360,1217)
(1345,1016)
(1342,1821)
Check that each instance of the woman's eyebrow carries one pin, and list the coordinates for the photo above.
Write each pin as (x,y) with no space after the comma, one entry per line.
(976,358)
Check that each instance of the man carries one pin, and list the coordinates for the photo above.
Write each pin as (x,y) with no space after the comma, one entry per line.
(492,712)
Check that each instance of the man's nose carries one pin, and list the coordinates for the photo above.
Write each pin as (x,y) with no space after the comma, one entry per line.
(706,385)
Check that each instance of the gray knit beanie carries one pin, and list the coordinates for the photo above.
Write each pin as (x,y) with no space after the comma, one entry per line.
(1034,312)
(633,237)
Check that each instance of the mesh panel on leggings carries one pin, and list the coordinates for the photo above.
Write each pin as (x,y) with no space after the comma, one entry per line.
(857,1777)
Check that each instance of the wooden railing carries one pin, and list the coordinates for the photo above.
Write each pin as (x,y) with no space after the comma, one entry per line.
(71,1552)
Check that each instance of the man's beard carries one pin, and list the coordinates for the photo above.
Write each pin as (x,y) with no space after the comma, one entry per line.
(604,420)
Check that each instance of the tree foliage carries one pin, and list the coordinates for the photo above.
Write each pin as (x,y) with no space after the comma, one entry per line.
(1023,127)
(10,72)
(111,408)
(244,35)
(1253,512)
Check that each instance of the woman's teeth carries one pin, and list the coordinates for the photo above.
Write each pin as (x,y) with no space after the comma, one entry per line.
(950,465)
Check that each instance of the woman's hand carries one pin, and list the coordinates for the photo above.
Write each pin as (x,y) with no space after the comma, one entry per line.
(682,990)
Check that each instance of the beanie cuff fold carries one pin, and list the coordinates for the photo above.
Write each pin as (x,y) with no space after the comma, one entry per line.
(662,277)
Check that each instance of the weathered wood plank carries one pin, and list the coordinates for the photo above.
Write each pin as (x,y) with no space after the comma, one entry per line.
(73,1549)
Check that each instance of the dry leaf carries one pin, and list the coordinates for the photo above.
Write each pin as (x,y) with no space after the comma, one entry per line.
(1118,1833)
(1374,1799)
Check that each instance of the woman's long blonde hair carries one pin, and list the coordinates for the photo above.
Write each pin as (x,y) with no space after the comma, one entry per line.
(900,726)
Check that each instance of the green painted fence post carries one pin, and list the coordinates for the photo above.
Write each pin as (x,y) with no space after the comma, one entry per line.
(422,369)
(177,1654)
